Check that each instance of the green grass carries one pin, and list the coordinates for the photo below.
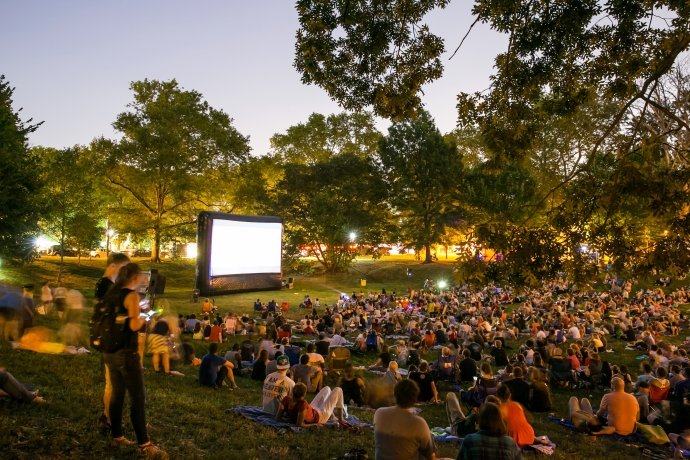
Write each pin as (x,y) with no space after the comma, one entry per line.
(192,422)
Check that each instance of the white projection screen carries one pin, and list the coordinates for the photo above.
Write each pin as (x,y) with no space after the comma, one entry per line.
(237,253)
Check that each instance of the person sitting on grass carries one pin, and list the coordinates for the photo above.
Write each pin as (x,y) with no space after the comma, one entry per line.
(392,376)
(518,427)
(540,400)
(235,357)
(492,440)
(425,381)
(277,385)
(215,369)
(382,361)
(15,390)
(259,366)
(325,405)
(398,433)
(352,386)
(311,376)
(198,334)
(498,354)
(623,412)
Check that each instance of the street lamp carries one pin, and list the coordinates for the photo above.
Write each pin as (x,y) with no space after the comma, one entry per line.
(353,236)
(442,285)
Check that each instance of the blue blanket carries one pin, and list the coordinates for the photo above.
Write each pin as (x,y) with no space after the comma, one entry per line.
(256,414)
(636,437)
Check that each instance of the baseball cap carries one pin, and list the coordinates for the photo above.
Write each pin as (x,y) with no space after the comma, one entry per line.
(283,362)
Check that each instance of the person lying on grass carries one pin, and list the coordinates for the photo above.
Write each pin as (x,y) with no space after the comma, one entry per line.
(15,390)
(215,369)
(298,411)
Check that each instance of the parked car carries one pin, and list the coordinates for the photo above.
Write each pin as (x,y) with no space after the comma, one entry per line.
(142,253)
(67,252)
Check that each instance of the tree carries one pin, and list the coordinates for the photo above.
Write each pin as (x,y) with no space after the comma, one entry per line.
(323,203)
(173,156)
(423,172)
(382,59)
(563,62)
(322,137)
(73,217)
(21,184)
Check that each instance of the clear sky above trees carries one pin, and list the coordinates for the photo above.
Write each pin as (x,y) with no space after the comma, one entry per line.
(72,63)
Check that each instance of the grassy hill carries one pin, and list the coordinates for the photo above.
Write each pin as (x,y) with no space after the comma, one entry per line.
(192,422)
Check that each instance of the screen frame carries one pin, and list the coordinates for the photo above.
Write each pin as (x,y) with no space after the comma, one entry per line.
(227,284)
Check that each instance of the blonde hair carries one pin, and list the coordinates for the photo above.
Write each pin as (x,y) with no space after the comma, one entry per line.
(393,366)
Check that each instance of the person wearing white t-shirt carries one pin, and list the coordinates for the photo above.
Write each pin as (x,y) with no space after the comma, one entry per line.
(337,341)
(541,334)
(277,385)
(574,333)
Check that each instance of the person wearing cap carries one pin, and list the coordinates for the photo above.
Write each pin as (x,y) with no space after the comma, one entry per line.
(327,403)
(277,385)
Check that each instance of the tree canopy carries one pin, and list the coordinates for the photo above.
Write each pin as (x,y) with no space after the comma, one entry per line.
(20,170)
(173,151)
(321,137)
(423,172)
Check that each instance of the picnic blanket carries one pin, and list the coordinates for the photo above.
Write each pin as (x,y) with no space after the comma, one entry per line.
(632,438)
(256,414)
(400,371)
(441,435)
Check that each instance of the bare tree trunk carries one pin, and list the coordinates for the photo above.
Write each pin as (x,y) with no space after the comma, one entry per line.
(156,253)
(427,255)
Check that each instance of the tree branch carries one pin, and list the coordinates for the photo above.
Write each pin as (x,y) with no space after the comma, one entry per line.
(463,38)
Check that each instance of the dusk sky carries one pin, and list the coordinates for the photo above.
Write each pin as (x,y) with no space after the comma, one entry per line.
(72,61)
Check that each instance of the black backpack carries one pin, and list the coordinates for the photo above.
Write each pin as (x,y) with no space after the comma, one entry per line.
(107,328)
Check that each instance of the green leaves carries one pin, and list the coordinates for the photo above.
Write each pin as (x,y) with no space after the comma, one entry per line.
(322,137)
(20,169)
(323,203)
(369,52)
(172,158)
(423,171)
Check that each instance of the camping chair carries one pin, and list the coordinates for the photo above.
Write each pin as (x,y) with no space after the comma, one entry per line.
(292,352)
(247,350)
(562,373)
(372,342)
(657,394)
(338,357)
(476,395)
(445,369)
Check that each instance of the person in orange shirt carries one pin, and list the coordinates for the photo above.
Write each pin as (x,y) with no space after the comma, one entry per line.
(621,407)
(518,427)
(208,307)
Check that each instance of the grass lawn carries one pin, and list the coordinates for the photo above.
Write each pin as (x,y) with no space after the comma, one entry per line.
(191,422)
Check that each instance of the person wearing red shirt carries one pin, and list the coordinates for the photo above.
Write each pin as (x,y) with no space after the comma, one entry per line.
(216,333)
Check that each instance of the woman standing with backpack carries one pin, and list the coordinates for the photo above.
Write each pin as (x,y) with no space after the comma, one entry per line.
(124,364)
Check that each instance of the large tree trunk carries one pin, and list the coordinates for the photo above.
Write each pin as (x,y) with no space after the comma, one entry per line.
(427,255)
(156,253)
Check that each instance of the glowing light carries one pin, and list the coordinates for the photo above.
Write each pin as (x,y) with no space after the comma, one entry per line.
(43,242)
(584,248)
(442,284)
(111,232)
(191,250)
(353,236)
